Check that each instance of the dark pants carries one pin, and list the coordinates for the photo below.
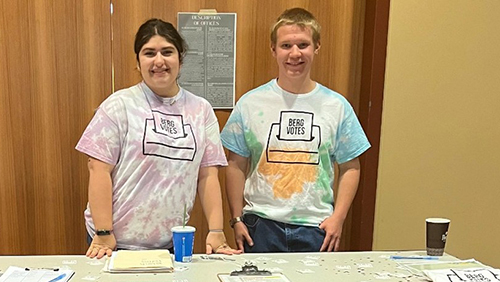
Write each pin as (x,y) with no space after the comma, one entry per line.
(273,236)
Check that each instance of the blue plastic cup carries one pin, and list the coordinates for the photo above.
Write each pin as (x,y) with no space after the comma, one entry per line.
(183,238)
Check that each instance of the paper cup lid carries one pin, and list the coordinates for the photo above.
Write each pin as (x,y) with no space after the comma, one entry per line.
(437,220)
(185,229)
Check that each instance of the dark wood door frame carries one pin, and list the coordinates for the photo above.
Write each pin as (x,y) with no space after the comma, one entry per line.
(370,115)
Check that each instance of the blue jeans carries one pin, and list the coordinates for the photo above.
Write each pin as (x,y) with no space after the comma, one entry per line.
(272,236)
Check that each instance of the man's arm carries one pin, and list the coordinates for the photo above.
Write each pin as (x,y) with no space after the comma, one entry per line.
(349,173)
(211,201)
(100,202)
(235,184)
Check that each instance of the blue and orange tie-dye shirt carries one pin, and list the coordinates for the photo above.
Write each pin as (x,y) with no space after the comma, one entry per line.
(292,142)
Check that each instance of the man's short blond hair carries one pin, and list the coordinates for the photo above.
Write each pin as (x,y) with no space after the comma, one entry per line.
(300,17)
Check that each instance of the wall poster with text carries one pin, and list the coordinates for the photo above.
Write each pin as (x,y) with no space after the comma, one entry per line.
(208,69)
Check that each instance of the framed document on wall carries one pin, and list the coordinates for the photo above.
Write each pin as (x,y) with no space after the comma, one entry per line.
(209,65)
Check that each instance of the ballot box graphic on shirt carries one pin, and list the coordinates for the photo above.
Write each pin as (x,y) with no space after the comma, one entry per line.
(294,140)
(166,135)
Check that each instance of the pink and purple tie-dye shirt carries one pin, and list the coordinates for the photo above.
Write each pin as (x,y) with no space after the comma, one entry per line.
(157,146)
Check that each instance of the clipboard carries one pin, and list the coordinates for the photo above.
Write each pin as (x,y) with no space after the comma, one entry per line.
(275,277)
(251,273)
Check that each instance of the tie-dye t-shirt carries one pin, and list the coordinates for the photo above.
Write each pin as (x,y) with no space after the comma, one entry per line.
(157,146)
(292,142)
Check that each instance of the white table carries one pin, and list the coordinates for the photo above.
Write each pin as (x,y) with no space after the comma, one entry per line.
(342,266)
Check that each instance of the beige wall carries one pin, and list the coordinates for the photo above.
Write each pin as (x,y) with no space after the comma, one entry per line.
(440,153)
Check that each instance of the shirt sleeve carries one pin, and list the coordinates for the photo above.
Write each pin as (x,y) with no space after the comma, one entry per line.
(102,137)
(351,140)
(233,134)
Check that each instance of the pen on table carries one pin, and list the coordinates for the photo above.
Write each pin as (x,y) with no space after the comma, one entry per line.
(217,258)
(38,268)
(415,257)
(58,277)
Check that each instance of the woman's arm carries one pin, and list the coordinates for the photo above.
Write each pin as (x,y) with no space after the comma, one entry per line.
(211,201)
(100,202)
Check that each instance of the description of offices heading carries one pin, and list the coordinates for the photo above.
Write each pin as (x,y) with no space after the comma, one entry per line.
(208,69)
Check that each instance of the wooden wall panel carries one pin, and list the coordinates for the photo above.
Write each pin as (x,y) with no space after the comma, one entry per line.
(337,67)
(342,23)
(55,70)
(13,215)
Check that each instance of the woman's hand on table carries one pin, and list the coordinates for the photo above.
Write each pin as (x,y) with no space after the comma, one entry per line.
(101,246)
(216,243)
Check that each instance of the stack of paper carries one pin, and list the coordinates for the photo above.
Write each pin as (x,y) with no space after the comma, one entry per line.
(464,275)
(469,270)
(140,261)
(420,267)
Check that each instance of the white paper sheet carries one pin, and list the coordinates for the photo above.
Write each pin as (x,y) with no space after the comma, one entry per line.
(464,275)
(18,274)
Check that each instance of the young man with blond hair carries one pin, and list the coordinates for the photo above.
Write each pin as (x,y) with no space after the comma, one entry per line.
(283,140)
